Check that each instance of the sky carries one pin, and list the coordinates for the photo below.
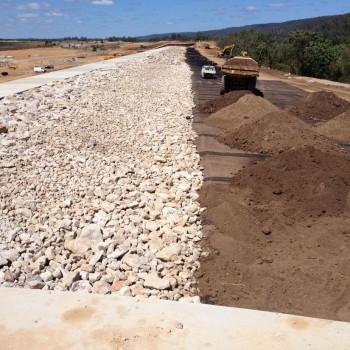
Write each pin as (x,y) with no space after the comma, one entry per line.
(104,18)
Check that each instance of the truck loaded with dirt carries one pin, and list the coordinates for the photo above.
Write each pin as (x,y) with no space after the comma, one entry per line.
(238,72)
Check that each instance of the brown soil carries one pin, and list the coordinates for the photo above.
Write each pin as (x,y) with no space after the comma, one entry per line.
(273,133)
(279,236)
(338,128)
(319,106)
(60,58)
(242,62)
(218,103)
(247,109)
(304,183)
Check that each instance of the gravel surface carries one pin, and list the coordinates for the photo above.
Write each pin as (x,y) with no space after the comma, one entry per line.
(99,181)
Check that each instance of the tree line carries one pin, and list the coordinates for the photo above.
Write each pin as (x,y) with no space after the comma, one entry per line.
(302,52)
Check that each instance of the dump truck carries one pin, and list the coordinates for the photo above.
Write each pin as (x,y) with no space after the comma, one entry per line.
(239,73)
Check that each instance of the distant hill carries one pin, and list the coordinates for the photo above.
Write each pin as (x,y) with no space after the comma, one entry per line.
(337,27)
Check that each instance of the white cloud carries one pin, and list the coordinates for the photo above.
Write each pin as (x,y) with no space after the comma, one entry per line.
(30,6)
(277,5)
(54,14)
(102,2)
(251,9)
(27,15)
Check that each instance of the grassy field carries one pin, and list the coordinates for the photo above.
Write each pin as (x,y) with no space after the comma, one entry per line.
(17,45)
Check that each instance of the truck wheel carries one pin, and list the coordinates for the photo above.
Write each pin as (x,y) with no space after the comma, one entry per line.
(222,86)
(252,84)
(225,85)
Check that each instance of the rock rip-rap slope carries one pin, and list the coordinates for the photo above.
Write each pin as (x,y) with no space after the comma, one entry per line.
(99,180)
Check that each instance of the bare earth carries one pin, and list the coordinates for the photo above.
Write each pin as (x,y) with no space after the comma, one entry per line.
(60,58)
(305,83)
(277,235)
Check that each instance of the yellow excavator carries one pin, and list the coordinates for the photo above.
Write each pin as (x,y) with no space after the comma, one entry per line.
(226,51)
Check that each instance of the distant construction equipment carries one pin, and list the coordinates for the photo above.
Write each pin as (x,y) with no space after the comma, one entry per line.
(109,57)
(209,46)
(226,51)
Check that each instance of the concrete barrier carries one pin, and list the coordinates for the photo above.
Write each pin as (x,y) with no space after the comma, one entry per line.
(33,319)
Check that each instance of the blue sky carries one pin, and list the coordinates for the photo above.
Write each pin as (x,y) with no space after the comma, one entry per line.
(103,18)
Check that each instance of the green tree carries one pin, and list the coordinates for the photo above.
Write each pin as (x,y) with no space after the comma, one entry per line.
(253,42)
(339,69)
(311,53)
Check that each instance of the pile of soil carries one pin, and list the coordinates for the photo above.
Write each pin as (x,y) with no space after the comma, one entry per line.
(319,106)
(218,103)
(238,61)
(279,237)
(247,109)
(299,184)
(337,128)
(273,133)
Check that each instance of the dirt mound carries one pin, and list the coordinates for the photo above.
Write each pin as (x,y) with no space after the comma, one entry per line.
(247,109)
(319,106)
(273,133)
(279,237)
(239,61)
(304,183)
(218,103)
(338,128)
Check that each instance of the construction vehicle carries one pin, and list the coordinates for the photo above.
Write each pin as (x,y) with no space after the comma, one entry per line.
(12,66)
(110,57)
(209,46)
(239,73)
(225,51)
(208,72)
(39,70)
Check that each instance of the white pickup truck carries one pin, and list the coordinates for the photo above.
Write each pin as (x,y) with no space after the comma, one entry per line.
(39,70)
(208,72)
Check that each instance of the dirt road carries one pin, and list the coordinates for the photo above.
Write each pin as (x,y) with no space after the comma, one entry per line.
(305,83)
(61,58)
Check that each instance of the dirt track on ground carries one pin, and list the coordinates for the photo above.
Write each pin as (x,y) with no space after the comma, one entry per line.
(61,58)
(306,83)
(278,234)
